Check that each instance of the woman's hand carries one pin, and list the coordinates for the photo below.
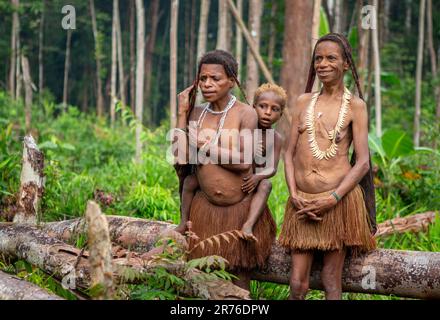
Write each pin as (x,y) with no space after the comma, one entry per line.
(196,139)
(250,183)
(183,101)
(317,207)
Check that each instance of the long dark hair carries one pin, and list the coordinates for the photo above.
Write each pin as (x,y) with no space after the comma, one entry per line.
(366,183)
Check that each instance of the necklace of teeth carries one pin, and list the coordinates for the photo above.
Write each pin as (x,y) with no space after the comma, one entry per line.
(221,123)
(310,124)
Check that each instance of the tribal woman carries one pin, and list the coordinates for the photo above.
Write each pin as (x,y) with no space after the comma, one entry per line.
(220,205)
(326,213)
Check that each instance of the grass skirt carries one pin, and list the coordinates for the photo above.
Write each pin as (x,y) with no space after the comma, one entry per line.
(209,219)
(344,226)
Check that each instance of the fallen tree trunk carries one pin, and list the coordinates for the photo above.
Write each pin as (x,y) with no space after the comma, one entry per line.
(13,288)
(411,274)
(71,266)
(137,234)
(414,223)
(402,273)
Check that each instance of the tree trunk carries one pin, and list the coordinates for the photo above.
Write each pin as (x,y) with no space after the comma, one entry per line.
(18,73)
(316,23)
(419,68)
(31,182)
(222,30)
(114,62)
(98,49)
(402,273)
(28,97)
(272,35)
(100,251)
(132,56)
(337,16)
(433,56)
(386,21)
(253,76)
(414,223)
(408,16)
(173,61)
(140,75)
(377,72)
(40,50)
(13,288)
(296,47)
(67,69)
(151,44)
(250,42)
(409,274)
(192,41)
(364,40)
(72,266)
(15,31)
(122,83)
(203,29)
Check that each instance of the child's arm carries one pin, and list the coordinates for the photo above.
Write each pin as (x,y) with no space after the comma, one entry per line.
(252,180)
(190,185)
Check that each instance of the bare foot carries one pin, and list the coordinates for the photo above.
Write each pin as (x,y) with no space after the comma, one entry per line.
(247,233)
(181,228)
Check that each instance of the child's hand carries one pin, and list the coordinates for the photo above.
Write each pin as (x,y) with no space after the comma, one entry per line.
(250,184)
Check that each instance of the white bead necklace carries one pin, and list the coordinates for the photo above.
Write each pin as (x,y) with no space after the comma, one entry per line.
(221,123)
(310,124)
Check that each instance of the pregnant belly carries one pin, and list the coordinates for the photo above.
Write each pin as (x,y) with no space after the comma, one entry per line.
(222,187)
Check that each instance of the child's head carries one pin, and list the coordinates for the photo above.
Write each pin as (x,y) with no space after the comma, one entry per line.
(269,103)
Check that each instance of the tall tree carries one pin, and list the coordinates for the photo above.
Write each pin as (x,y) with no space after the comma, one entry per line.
(363,47)
(98,52)
(296,47)
(114,72)
(40,48)
(337,27)
(433,56)
(132,55)
(222,30)
(173,61)
(252,78)
(419,67)
(15,49)
(151,43)
(67,69)
(122,82)
(140,74)
(272,34)
(239,39)
(377,72)
(28,92)
(203,28)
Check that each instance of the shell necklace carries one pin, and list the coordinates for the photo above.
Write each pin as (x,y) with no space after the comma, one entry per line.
(221,123)
(310,124)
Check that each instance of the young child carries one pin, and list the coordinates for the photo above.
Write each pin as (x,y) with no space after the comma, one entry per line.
(269,103)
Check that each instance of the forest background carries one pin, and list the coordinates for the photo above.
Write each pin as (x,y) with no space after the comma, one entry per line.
(95,82)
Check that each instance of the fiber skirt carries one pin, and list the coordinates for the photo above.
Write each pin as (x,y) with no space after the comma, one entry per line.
(344,226)
(209,220)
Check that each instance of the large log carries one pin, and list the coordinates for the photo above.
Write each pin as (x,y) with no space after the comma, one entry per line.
(13,288)
(68,264)
(413,223)
(401,273)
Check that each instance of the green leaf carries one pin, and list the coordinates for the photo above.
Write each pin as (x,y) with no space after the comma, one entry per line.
(324,27)
(48,145)
(353,37)
(67,146)
(396,143)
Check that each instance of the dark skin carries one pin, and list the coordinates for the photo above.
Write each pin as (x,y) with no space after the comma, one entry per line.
(308,174)
(220,182)
(269,110)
